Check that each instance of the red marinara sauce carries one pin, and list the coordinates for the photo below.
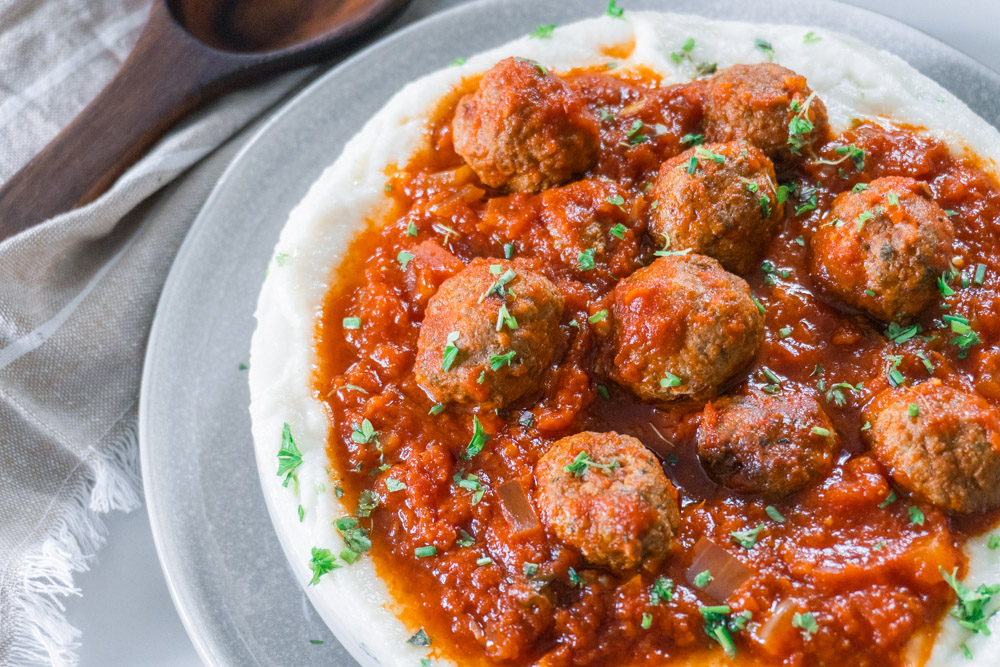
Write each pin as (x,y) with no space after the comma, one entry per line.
(852,551)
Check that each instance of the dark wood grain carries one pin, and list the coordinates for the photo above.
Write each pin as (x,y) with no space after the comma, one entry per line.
(190,51)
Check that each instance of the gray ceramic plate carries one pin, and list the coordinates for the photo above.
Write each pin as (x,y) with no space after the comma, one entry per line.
(224,566)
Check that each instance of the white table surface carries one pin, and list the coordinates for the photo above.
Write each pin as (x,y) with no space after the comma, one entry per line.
(125,612)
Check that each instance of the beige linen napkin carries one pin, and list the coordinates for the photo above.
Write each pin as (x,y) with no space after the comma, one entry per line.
(77,296)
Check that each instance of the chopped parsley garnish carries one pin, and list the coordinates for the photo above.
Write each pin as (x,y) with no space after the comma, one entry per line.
(693,139)
(765,48)
(352,322)
(575,578)
(970,610)
(994,542)
(543,31)
(807,623)
(457,61)
(819,430)
(355,537)
(785,332)
(243,366)
(663,591)
(363,433)
(614,10)
(583,462)
(898,334)
(773,379)
(966,337)
(586,260)
(703,578)
(367,502)
(889,499)
(436,409)
(420,638)
(799,126)
(863,218)
(618,231)
(499,285)
(775,515)
(747,538)
(484,561)
(450,351)
(893,199)
(281,258)
(980,276)
(323,561)
(616,200)
(896,378)
(478,441)
(599,316)
(289,456)
(426,551)
(498,361)
(504,317)
(465,540)
(916,516)
(403,258)
(393,484)
(316,642)
(811,37)
(633,133)
(709,155)
(603,391)
(530,569)
(527,419)
(411,229)
(671,380)
(760,306)
(808,201)
(647,621)
(913,409)
(720,626)
(849,152)
(302,514)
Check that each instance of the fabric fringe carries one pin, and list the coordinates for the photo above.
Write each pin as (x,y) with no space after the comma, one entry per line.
(113,482)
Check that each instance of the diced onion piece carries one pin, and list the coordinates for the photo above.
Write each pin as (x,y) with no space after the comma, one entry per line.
(728,574)
(777,631)
(517,507)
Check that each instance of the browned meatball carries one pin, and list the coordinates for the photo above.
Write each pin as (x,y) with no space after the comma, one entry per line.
(940,444)
(605,495)
(882,249)
(718,200)
(773,445)
(525,129)
(471,351)
(767,105)
(680,327)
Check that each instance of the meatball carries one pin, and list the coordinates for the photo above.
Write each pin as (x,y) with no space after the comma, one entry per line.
(488,334)
(525,129)
(605,495)
(680,327)
(882,249)
(718,200)
(767,105)
(772,445)
(940,444)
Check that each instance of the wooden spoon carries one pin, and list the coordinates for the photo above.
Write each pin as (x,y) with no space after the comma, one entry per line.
(191,51)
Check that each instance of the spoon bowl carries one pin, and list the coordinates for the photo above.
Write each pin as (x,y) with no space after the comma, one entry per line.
(190,52)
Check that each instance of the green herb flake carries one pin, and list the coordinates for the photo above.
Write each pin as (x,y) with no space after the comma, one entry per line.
(703,578)
(913,410)
(765,48)
(316,642)
(811,37)
(426,551)
(530,569)
(980,276)
(498,361)
(618,231)
(404,259)
(543,31)
(663,591)
(478,441)
(302,514)
(614,10)
(970,609)
(393,484)
(720,626)
(807,623)
(484,561)
(693,139)
(785,332)
(354,535)
(465,540)
(916,516)
(436,409)
(599,316)
(289,456)
(775,515)
(419,638)
(450,351)
(352,322)
(889,499)
(994,542)
(647,621)
(820,431)
(746,538)
(323,561)
(575,578)
(586,260)
(457,62)
(582,463)
(616,200)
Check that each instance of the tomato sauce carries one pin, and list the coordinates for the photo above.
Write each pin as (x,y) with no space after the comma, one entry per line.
(844,550)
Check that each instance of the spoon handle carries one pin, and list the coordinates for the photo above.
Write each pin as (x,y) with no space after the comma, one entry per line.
(164,77)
